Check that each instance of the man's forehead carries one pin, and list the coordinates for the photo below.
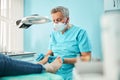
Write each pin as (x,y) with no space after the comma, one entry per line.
(57,14)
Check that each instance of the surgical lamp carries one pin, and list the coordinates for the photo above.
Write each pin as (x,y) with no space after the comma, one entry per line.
(26,22)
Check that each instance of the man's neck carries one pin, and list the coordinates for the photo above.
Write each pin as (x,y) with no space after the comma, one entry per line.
(68,27)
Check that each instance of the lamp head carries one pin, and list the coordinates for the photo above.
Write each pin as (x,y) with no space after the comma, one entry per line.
(26,22)
(22,25)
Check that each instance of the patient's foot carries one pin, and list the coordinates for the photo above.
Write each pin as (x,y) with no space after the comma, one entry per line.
(54,66)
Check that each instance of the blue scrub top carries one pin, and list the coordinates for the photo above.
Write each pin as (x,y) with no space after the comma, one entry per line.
(68,45)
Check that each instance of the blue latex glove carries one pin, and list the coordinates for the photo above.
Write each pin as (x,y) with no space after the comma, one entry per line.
(40,57)
(52,58)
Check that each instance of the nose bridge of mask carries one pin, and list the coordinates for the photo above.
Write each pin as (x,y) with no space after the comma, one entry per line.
(59,24)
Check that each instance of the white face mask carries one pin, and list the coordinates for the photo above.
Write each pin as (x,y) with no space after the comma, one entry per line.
(59,26)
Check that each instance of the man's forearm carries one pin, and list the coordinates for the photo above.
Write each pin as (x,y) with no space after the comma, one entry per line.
(69,60)
(85,57)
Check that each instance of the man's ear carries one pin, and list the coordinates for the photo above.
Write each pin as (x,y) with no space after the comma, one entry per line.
(67,21)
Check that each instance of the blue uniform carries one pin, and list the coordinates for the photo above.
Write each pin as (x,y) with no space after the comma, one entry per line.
(68,45)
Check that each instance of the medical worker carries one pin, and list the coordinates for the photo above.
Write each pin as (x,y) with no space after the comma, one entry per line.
(12,67)
(67,41)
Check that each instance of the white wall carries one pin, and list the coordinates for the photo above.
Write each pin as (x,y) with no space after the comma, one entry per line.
(11,37)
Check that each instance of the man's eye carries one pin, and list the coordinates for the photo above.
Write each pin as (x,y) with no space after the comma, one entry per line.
(57,20)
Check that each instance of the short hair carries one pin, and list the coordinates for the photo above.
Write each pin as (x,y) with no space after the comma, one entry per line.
(61,9)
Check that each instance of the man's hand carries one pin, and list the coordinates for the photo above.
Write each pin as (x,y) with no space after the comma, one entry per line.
(44,60)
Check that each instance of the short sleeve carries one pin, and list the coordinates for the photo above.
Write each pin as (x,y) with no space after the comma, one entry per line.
(84,42)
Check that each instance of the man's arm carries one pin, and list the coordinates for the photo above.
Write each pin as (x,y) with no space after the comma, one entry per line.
(85,56)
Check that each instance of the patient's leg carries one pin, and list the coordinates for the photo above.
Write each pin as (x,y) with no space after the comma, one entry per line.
(11,67)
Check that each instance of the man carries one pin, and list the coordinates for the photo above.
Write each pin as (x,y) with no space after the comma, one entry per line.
(67,41)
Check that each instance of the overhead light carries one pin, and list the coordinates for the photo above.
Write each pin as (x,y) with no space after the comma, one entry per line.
(35,20)
(26,22)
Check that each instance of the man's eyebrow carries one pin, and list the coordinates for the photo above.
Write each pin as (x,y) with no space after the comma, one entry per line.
(57,19)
